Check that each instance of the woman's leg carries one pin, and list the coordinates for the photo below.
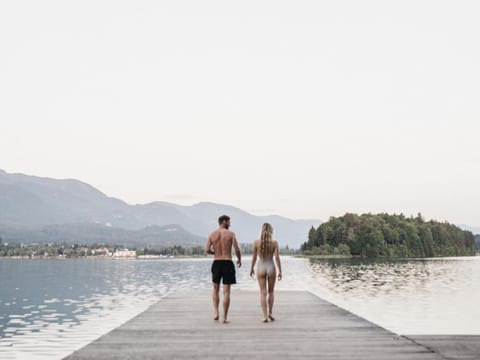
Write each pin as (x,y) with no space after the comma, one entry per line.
(272,277)
(262,283)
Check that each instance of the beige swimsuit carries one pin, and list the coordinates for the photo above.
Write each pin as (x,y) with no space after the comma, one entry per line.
(265,266)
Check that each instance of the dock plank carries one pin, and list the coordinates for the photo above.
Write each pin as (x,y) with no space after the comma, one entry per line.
(181,326)
(452,347)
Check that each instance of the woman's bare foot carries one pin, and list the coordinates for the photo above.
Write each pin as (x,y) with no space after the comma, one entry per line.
(271,317)
(226,321)
(265,320)
(215,318)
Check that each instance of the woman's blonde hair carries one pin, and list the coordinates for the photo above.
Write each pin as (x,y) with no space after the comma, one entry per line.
(266,240)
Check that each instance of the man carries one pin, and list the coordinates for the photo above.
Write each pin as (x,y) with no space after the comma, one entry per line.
(220,244)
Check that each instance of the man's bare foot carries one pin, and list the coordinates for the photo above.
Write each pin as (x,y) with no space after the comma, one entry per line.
(226,321)
(216,317)
(271,317)
(265,320)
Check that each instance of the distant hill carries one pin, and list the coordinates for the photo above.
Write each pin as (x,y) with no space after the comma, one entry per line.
(473,229)
(477,242)
(203,218)
(33,201)
(87,233)
(30,204)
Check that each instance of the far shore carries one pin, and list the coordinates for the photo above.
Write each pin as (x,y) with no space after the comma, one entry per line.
(333,256)
(365,258)
(105,257)
(170,257)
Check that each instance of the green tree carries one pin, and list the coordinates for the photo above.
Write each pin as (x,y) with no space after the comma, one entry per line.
(370,235)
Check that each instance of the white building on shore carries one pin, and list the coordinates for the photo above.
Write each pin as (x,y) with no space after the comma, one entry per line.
(124,253)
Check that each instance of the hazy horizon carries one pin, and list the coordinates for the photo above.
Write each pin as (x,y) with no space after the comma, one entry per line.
(472,226)
(305,110)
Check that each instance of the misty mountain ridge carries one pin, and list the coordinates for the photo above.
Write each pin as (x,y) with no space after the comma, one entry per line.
(30,204)
(153,236)
(473,229)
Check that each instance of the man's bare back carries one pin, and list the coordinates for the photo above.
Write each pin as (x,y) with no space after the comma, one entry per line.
(220,242)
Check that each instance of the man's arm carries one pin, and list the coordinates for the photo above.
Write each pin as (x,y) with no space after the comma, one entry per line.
(209,246)
(237,251)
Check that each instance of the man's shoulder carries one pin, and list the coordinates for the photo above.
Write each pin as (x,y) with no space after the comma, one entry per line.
(222,232)
(227,232)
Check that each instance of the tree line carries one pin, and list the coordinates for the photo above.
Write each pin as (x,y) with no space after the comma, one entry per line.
(49,250)
(384,235)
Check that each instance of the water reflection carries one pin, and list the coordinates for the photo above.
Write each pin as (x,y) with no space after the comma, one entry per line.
(50,308)
(375,278)
(428,296)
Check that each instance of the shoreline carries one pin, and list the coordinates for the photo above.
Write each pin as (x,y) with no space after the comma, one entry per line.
(324,256)
(379,258)
(103,257)
(173,257)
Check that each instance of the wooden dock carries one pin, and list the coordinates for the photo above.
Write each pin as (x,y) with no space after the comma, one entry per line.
(181,326)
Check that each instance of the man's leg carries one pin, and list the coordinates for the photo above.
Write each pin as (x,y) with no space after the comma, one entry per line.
(216,299)
(226,301)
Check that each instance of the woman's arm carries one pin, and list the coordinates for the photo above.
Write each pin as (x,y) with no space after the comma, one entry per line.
(254,258)
(277,260)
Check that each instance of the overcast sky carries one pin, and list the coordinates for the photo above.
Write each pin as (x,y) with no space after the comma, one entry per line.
(306,109)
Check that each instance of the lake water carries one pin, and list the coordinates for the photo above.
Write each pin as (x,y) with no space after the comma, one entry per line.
(49,308)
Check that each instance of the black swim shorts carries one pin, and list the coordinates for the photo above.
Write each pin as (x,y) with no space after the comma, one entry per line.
(223,269)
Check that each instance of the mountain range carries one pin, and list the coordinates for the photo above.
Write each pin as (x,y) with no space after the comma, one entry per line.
(41,209)
(473,229)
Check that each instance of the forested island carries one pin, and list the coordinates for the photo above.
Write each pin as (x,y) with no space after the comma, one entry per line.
(384,235)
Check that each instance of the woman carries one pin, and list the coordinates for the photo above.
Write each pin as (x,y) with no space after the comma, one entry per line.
(266,248)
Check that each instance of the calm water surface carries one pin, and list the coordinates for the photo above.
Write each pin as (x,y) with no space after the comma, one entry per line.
(49,308)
